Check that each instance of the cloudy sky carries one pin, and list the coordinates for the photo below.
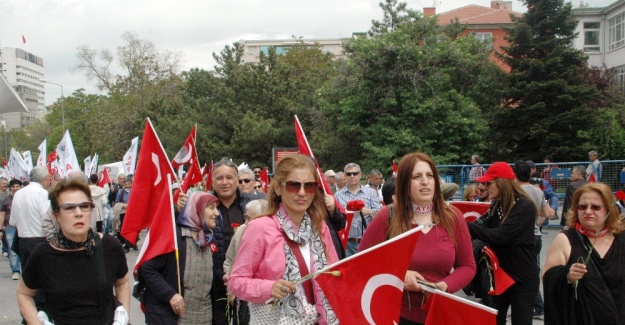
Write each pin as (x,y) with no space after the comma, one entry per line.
(196,28)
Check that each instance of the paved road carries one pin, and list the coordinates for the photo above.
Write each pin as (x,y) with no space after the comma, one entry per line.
(9,313)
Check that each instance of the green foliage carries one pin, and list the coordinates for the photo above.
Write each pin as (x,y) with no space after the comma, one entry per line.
(409,87)
(547,97)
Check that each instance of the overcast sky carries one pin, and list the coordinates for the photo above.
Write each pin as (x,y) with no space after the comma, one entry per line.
(196,28)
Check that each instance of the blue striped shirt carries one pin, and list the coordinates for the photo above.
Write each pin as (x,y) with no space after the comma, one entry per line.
(367,195)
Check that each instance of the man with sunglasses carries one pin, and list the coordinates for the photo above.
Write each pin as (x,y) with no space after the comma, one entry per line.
(247,182)
(355,191)
(231,208)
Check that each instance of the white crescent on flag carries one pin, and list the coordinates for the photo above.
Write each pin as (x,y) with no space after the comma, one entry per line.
(184,155)
(374,283)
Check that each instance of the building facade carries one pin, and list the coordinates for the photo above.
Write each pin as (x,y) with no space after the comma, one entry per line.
(23,71)
(486,24)
(253,48)
(602,37)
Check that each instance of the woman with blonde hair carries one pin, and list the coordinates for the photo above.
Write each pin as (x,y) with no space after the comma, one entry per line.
(470,193)
(584,269)
(292,235)
(444,245)
(508,229)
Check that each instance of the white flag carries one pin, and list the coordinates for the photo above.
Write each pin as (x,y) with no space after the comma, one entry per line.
(16,166)
(67,156)
(130,158)
(94,165)
(28,159)
(41,161)
(87,165)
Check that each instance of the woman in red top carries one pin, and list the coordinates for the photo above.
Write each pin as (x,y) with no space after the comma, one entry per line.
(444,245)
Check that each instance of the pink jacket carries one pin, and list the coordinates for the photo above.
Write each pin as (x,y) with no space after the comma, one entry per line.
(260,261)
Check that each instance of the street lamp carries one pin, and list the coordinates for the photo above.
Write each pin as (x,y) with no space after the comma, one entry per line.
(62,101)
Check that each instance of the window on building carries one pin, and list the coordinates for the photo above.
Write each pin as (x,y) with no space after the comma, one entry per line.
(486,38)
(592,31)
(620,77)
(617,31)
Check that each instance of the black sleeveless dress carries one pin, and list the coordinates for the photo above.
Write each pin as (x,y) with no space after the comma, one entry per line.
(612,268)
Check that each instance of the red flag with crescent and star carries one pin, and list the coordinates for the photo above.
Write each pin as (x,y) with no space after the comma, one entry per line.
(148,184)
(105,178)
(264,179)
(471,210)
(185,154)
(370,286)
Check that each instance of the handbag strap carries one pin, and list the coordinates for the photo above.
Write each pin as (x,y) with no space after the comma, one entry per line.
(99,254)
(605,286)
(303,268)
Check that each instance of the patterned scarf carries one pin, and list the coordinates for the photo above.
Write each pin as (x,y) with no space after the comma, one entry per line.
(293,304)
(59,240)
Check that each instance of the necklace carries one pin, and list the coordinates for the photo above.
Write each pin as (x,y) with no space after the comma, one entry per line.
(426,225)
(418,209)
(590,233)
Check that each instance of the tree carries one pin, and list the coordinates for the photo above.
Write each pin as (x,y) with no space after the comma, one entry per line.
(546,97)
(408,87)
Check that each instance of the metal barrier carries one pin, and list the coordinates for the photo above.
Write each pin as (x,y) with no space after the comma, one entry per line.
(612,173)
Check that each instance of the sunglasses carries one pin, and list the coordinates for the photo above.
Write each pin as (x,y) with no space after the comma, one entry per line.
(71,207)
(352,174)
(593,207)
(246,180)
(295,187)
(258,187)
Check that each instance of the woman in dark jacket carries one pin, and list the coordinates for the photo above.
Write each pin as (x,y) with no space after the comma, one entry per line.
(508,229)
(168,299)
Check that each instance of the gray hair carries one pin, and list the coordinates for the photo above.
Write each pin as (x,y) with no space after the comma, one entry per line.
(594,153)
(247,171)
(580,170)
(352,165)
(339,174)
(256,207)
(38,174)
(375,172)
(79,175)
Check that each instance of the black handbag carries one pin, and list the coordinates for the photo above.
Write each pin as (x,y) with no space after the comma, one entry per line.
(139,289)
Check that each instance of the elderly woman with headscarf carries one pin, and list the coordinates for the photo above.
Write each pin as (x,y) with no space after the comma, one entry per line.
(184,297)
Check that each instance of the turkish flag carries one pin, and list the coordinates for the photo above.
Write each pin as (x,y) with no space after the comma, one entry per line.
(471,210)
(445,308)
(394,168)
(344,233)
(370,286)
(304,149)
(592,179)
(148,185)
(23,39)
(161,238)
(194,174)
(105,178)
(209,176)
(185,154)
(4,162)
(264,179)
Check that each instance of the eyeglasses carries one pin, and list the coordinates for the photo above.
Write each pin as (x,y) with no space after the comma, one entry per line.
(71,207)
(295,187)
(246,180)
(258,187)
(352,174)
(593,207)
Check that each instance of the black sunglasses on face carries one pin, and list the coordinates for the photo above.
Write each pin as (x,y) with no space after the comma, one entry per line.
(246,180)
(352,174)
(593,207)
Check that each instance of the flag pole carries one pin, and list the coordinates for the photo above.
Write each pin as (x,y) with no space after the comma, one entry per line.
(173,219)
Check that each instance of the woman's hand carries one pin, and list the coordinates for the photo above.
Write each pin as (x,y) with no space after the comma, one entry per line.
(576,272)
(177,304)
(281,288)
(442,286)
(410,281)
(329,201)
(182,200)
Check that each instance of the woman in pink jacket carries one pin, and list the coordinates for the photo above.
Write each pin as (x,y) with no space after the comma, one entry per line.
(282,247)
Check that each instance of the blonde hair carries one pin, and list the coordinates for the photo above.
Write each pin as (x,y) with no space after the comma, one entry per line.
(509,192)
(613,222)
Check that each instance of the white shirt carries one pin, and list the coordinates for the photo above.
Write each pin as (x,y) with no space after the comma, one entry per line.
(30,204)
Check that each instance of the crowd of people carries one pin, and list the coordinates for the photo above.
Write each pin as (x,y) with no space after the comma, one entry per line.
(243,253)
